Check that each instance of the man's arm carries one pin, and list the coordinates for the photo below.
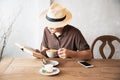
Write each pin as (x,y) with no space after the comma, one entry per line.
(83,55)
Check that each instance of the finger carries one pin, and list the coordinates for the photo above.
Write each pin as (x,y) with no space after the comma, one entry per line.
(61,49)
(37,50)
(62,55)
(35,55)
(60,52)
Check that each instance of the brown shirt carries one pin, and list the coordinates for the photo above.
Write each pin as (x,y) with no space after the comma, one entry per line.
(71,38)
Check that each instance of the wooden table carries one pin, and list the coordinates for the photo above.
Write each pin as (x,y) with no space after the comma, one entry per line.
(27,69)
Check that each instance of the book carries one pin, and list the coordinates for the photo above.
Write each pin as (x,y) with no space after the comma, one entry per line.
(30,50)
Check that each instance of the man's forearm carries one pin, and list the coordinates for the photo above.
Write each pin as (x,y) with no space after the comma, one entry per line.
(83,55)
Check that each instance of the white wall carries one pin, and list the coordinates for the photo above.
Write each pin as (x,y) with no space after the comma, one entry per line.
(92,17)
(26,29)
(95,18)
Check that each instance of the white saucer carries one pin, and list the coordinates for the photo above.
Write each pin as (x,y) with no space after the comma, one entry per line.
(55,71)
(53,62)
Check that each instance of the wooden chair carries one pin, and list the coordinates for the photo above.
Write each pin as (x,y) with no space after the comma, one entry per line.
(105,39)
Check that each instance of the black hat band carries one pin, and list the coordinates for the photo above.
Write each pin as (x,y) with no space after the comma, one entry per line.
(55,20)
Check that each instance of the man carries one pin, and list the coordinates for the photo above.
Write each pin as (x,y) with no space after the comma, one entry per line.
(67,39)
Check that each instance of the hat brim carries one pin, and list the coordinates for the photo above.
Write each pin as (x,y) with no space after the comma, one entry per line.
(47,23)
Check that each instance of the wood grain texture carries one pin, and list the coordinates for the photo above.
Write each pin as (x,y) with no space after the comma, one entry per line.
(27,69)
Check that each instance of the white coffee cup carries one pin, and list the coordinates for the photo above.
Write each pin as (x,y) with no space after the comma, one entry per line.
(48,67)
(51,53)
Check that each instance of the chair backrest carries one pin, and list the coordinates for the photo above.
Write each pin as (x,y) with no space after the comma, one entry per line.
(106,39)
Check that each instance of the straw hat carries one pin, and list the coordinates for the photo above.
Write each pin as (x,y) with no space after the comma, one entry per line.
(55,16)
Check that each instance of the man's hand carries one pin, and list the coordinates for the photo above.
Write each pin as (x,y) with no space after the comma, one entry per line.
(38,54)
(64,53)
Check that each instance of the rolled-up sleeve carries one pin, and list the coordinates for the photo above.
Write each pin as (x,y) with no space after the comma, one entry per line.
(80,42)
